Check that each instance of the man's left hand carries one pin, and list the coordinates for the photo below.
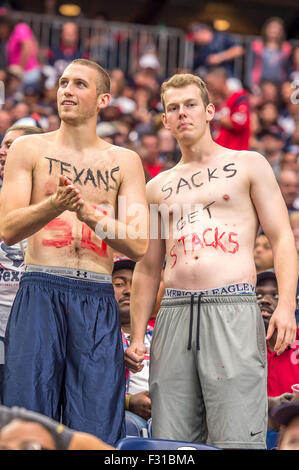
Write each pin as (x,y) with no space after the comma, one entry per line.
(284,322)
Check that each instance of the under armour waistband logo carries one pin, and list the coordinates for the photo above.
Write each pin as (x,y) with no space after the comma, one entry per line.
(82,274)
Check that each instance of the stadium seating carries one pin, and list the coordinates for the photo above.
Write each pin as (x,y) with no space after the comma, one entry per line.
(139,443)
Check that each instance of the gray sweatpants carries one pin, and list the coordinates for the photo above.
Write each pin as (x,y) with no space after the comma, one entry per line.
(208,371)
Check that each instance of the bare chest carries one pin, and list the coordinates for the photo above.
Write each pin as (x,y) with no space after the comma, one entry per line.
(96,178)
(214,197)
(206,186)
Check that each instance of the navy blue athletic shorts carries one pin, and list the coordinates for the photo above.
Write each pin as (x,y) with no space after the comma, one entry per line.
(64,354)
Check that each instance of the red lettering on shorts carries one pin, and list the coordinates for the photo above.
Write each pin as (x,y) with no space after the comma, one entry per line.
(99,248)
(62,239)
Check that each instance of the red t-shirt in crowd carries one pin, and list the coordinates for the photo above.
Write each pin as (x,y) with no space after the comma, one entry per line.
(283,370)
(237,108)
(153,170)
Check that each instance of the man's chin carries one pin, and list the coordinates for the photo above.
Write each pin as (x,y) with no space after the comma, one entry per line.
(124,309)
(69,118)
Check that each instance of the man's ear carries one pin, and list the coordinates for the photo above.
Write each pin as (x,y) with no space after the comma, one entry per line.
(164,120)
(103,100)
(210,112)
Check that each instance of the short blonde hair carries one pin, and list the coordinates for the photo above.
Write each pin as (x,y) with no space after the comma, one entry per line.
(181,80)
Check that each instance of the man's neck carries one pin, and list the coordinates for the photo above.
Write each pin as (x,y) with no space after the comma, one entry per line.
(77,137)
(200,150)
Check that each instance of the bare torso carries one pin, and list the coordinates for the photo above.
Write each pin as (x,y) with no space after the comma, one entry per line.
(65,241)
(211,241)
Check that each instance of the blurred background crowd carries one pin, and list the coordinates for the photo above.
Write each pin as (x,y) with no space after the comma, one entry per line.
(253,83)
(255,88)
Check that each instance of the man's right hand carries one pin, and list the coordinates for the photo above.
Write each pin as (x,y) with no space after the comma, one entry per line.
(134,356)
(67,196)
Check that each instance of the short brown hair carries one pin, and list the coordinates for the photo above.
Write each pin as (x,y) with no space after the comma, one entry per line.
(103,81)
(27,130)
(181,80)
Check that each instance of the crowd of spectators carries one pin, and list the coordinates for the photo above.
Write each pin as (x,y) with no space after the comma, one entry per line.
(259,112)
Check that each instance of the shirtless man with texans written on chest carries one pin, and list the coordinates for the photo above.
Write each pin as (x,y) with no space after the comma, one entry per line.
(63,340)
(208,355)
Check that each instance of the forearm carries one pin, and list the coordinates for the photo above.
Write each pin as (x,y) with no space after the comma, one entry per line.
(286,270)
(18,223)
(23,222)
(231,53)
(118,235)
(143,297)
(226,122)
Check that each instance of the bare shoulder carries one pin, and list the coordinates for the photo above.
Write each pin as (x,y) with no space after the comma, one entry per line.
(154,185)
(242,157)
(251,164)
(26,149)
(31,141)
(257,166)
(124,155)
(250,158)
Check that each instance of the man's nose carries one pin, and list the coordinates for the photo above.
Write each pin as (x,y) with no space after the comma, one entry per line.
(3,153)
(68,90)
(127,289)
(263,301)
(182,109)
(266,300)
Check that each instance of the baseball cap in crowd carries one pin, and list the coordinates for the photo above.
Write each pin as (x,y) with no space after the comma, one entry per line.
(150,61)
(266,275)
(195,27)
(106,129)
(273,131)
(123,263)
(286,412)
(32,90)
